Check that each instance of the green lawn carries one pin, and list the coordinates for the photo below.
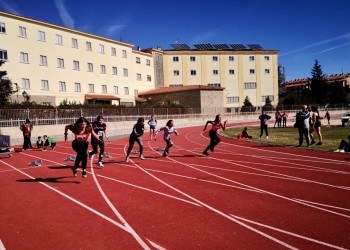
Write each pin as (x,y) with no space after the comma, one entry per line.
(289,136)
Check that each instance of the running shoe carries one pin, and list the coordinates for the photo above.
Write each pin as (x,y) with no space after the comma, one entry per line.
(84,175)
(337,150)
(141,157)
(100,164)
(206,153)
(74,170)
(127,159)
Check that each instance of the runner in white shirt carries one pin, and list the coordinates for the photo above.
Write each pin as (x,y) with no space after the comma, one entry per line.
(168,131)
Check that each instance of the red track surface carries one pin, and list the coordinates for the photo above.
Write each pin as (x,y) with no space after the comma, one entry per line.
(244,196)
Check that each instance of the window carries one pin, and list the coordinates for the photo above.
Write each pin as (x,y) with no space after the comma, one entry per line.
(138,77)
(126,91)
(103,69)
(91,88)
(125,72)
(101,49)
(149,78)
(25,83)
(104,89)
(60,63)
(114,70)
(74,43)
(176,85)
(124,54)
(77,87)
(214,85)
(175,59)
(41,36)
(3,54)
(215,58)
(115,90)
(252,71)
(264,97)
(176,72)
(193,73)
(59,40)
(231,72)
(192,58)
(45,85)
(62,86)
(90,67)
(231,58)
(138,60)
(215,72)
(43,61)
(232,99)
(251,58)
(2,28)
(250,85)
(148,62)
(266,58)
(113,51)
(267,71)
(88,46)
(22,31)
(24,57)
(76,65)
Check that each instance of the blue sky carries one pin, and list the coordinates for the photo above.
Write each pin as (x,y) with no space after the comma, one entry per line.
(302,30)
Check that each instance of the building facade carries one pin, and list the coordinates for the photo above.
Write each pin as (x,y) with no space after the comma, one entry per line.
(52,64)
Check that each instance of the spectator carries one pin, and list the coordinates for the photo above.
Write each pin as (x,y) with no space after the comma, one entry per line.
(302,123)
(49,142)
(328,117)
(264,124)
(26,129)
(284,119)
(344,146)
(39,142)
(152,128)
(244,134)
(278,119)
(315,125)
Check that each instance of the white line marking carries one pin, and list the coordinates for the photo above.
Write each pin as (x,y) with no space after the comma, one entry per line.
(156,246)
(324,205)
(2,247)
(289,233)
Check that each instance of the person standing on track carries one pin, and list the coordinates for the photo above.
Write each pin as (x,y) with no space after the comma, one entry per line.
(303,125)
(152,128)
(136,136)
(168,131)
(81,130)
(99,127)
(263,124)
(213,133)
(284,119)
(26,129)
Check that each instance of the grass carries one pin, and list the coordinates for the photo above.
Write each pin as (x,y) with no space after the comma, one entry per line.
(332,135)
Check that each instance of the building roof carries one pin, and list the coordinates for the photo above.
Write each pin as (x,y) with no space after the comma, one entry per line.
(306,80)
(179,89)
(101,97)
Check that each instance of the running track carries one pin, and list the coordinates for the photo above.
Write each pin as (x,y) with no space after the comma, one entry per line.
(244,196)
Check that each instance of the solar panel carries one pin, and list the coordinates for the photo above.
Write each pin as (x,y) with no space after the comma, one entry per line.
(221,46)
(237,46)
(180,46)
(255,46)
(204,46)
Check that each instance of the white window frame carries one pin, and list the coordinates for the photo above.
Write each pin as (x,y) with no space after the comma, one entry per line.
(103,69)
(125,72)
(113,51)
(215,58)
(251,58)
(231,71)
(115,90)
(43,60)
(124,54)
(192,58)
(126,90)
(176,72)
(91,88)
(250,85)
(41,36)
(59,39)
(75,43)
(77,87)
(267,58)
(251,71)
(24,57)
(76,65)
(114,71)
(138,60)
(2,28)
(267,71)
(175,58)
(231,58)
(3,55)
(232,99)
(60,63)
(101,48)
(104,89)
(90,67)
(88,46)
(45,85)
(193,72)
(22,31)
(138,77)
(215,72)
(62,86)
(25,83)
(149,78)
(148,62)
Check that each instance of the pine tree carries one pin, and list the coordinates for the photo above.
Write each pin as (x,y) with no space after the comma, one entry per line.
(6,89)
(318,84)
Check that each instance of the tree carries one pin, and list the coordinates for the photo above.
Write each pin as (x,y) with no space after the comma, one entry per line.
(247,105)
(6,87)
(318,84)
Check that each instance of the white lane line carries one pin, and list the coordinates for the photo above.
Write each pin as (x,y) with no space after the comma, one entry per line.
(198,179)
(324,205)
(2,247)
(71,199)
(149,190)
(156,246)
(289,233)
(116,212)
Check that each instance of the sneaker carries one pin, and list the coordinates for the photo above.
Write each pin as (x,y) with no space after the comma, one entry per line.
(267,137)
(206,153)
(74,170)
(337,150)
(100,164)
(84,175)
(313,142)
(141,157)
(53,148)
(90,155)
(127,159)
(319,143)
(342,151)
(165,154)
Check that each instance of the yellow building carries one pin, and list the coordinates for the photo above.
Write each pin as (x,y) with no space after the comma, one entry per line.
(242,70)
(51,63)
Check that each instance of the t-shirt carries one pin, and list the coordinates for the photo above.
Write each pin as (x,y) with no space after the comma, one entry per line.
(99,129)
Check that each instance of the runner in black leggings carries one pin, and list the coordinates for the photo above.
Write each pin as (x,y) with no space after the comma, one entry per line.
(213,134)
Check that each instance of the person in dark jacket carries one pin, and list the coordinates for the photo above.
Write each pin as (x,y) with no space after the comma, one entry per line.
(303,125)
(264,124)
(136,136)
(99,127)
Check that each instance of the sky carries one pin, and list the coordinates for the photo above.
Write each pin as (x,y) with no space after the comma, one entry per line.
(301,30)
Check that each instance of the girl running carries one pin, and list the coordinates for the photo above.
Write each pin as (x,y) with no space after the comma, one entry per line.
(81,130)
(214,138)
(136,136)
(99,127)
(168,131)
